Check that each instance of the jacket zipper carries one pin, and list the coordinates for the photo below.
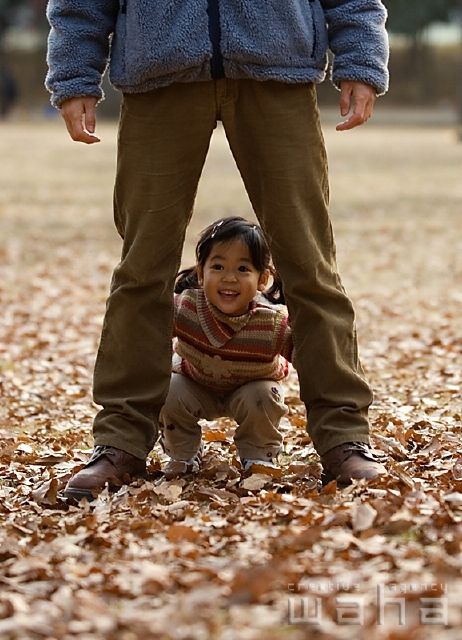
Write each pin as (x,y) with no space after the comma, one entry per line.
(315,32)
(216,63)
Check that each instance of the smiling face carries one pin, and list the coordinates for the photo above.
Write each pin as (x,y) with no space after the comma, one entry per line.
(229,279)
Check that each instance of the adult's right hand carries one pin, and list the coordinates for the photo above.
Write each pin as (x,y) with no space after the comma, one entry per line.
(80,117)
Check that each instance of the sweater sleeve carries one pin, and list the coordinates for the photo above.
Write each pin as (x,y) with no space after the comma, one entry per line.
(176,311)
(286,348)
(78,47)
(358,41)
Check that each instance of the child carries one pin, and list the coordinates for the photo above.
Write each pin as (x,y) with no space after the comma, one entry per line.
(232,350)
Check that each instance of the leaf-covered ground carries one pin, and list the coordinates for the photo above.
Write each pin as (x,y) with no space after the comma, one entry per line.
(220,556)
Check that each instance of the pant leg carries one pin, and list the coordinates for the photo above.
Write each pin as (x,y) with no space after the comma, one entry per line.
(186,403)
(275,136)
(257,407)
(163,140)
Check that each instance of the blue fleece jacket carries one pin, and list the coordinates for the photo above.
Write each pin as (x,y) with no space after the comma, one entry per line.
(153,43)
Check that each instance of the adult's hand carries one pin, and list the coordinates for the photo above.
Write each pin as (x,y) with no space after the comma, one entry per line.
(361,97)
(80,117)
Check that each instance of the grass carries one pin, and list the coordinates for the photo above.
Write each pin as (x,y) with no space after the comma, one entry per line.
(395,198)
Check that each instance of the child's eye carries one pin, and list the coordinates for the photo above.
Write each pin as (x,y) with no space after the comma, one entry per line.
(244,269)
(217,267)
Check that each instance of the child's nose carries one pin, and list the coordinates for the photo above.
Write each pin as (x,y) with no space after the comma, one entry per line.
(229,276)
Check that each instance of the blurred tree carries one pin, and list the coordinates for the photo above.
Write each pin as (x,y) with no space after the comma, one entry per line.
(8,91)
(23,15)
(29,13)
(411,17)
(5,14)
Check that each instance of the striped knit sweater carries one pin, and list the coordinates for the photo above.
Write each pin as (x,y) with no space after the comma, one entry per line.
(223,352)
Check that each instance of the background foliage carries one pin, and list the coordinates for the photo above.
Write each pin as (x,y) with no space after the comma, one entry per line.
(411,17)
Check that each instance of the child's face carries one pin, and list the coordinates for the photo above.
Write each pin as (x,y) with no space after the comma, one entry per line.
(229,279)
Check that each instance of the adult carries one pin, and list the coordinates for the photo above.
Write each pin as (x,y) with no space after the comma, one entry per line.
(181,67)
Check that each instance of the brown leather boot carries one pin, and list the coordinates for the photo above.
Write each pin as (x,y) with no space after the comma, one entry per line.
(107,465)
(350,461)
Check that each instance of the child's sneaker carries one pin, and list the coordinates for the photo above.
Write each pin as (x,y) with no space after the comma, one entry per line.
(177,468)
(261,466)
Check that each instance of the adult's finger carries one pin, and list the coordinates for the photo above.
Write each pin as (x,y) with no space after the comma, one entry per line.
(79,115)
(363,97)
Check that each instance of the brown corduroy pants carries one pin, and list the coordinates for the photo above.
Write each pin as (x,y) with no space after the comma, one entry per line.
(275,136)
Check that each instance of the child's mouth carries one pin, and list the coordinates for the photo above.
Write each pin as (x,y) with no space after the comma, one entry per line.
(230,295)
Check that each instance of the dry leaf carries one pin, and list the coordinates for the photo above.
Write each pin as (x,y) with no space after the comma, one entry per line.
(256,481)
(169,490)
(47,492)
(178,532)
(363,517)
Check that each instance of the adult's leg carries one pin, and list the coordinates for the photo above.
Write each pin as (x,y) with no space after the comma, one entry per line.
(275,136)
(257,407)
(163,140)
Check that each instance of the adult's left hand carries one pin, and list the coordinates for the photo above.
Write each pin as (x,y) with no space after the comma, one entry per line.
(359,96)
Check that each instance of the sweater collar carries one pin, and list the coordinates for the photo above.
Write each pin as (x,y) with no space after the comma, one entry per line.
(217,326)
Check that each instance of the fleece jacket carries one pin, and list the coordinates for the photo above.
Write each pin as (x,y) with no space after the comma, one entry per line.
(153,43)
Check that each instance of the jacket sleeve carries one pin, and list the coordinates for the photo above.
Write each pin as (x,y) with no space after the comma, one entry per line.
(358,41)
(78,47)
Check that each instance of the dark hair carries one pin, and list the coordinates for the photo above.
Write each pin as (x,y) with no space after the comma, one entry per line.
(225,230)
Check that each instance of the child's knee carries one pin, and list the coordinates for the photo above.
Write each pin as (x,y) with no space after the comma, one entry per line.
(262,397)
(273,400)
(181,400)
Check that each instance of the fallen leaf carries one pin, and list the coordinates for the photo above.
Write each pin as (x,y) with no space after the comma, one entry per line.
(47,492)
(178,532)
(363,517)
(256,481)
(169,490)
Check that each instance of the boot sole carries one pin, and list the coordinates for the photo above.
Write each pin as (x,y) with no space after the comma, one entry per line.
(79,494)
(328,476)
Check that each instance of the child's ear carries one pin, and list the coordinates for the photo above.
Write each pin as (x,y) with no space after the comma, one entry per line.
(200,275)
(263,281)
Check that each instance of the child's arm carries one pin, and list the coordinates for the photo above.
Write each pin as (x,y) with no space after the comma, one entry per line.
(176,310)
(78,48)
(288,350)
(285,340)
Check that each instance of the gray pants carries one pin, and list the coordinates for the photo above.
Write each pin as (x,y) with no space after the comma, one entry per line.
(257,407)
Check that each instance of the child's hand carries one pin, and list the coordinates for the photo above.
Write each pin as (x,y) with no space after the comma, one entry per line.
(363,97)
(80,118)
